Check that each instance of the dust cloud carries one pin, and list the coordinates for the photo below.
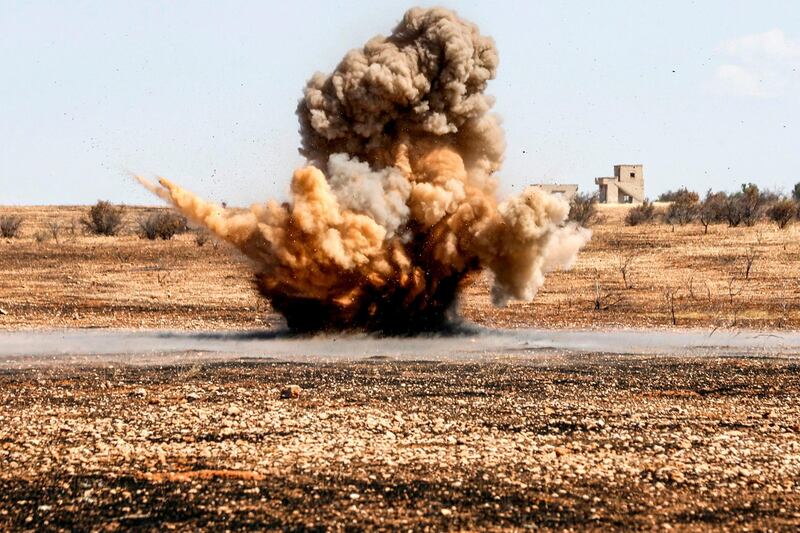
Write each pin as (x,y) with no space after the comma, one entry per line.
(397,209)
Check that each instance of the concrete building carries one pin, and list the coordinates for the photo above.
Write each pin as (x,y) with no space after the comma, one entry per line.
(560,189)
(625,187)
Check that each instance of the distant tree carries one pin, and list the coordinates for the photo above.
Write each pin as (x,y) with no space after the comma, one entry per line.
(583,209)
(752,203)
(796,192)
(684,207)
(667,196)
(104,219)
(645,212)
(712,209)
(782,212)
(732,209)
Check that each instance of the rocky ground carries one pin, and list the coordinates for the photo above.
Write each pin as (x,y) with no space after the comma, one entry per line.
(575,442)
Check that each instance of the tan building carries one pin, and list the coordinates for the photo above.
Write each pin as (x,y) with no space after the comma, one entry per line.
(626,187)
(559,189)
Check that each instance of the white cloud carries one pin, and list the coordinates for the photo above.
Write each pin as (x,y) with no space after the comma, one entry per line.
(761,65)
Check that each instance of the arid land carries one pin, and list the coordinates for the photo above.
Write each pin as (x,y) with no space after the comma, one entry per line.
(576,441)
(587,442)
(128,282)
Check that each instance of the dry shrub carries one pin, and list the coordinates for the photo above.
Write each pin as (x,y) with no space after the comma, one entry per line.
(41,236)
(684,207)
(583,209)
(782,212)
(646,212)
(201,238)
(104,219)
(163,225)
(55,230)
(10,225)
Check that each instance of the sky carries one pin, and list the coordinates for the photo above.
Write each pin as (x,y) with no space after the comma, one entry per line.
(704,94)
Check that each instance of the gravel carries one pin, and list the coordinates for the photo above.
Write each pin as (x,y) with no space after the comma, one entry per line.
(579,442)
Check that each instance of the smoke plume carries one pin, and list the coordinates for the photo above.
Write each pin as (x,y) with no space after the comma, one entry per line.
(396,211)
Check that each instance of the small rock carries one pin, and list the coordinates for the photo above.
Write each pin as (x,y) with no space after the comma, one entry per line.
(232,410)
(3,311)
(446,512)
(192,396)
(292,391)
(138,393)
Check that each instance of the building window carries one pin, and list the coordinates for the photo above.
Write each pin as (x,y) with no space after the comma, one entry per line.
(633,174)
(627,199)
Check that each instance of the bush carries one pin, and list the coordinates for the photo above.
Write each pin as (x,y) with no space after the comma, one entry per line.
(201,238)
(684,207)
(55,230)
(9,226)
(640,214)
(583,209)
(41,236)
(104,219)
(782,212)
(163,225)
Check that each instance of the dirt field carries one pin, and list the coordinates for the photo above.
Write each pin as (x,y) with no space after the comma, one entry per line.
(83,281)
(584,442)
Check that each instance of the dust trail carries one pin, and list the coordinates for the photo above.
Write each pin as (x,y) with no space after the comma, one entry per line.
(396,211)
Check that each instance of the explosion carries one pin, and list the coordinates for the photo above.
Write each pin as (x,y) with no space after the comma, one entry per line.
(397,209)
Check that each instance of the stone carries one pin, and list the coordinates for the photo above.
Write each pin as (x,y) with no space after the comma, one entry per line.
(291,391)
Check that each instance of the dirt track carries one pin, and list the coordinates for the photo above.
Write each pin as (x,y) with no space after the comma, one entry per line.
(587,441)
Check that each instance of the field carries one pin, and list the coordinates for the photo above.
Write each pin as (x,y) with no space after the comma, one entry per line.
(556,439)
(673,277)
(592,442)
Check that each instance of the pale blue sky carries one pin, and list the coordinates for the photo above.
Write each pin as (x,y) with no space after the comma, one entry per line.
(704,94)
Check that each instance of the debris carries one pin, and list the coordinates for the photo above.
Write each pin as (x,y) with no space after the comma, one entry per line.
(292,391)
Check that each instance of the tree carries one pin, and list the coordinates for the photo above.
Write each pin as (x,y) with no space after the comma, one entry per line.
(583,209)
(752,202)
(782,212)
(712,209)
(732,209)
(796,192)
(684,207)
